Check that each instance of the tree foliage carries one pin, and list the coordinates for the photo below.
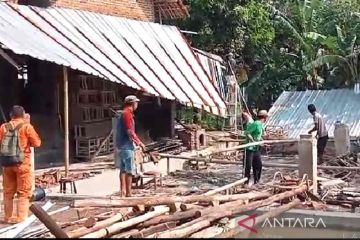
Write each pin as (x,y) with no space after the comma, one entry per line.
(281,44)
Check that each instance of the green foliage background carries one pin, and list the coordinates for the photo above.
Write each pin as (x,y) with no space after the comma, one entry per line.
(281,44)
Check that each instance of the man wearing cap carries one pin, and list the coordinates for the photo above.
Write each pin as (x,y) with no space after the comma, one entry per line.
(126,140)
(254,133)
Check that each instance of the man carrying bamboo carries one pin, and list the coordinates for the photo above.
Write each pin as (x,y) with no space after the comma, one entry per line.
(254,133)
(126,140)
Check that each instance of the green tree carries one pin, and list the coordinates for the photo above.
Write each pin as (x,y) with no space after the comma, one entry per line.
(281,44)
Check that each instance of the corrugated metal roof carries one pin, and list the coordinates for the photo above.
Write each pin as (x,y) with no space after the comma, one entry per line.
(144,56)
(290,111)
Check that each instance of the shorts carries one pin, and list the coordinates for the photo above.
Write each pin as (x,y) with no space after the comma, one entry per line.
(125,161)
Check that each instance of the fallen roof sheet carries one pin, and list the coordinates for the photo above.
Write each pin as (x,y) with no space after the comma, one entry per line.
(290,111)
(145,56)
(213,65)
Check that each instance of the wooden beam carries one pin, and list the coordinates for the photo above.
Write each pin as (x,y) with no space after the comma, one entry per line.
(66,120)
(165,200)
(98,226)
(225,210)
(226,187)
(117,227)
(48,221)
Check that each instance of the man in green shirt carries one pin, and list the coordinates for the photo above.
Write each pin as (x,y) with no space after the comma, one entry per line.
(254,133)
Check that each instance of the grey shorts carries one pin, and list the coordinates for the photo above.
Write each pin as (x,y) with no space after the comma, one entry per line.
(125,161)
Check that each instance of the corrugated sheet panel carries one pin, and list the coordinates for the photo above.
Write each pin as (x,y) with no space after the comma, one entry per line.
(214,68)
(145,56)
(290,111)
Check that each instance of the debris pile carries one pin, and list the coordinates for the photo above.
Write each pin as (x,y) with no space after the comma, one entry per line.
(334,184)
(276,132)
(169,146)
(50,178)
(207,213)
(349,160)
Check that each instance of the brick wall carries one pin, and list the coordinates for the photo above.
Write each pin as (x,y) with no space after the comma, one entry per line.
(133,9)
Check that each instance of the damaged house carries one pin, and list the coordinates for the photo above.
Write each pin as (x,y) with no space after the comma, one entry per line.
(71,68)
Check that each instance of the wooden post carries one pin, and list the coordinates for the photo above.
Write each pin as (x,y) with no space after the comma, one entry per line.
(66,121)
(48,221)
(172,118)
(168,165)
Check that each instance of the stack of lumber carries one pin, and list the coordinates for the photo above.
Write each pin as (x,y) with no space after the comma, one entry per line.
(334,184)
(208,214)
(170,146)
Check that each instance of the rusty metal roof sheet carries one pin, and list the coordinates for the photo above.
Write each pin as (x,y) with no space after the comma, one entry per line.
(145,56)
(290,111)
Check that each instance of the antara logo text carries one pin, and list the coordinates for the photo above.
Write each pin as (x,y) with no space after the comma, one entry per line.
(249,222)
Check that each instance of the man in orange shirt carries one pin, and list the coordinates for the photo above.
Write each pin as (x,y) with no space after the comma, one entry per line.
(17,173)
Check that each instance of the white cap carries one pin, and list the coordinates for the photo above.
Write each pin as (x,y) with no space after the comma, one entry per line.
(262,113)
(131,99)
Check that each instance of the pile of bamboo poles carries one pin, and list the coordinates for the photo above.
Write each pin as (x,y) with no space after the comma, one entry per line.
(214,213)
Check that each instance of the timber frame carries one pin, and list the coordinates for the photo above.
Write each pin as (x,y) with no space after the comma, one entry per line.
(170,9)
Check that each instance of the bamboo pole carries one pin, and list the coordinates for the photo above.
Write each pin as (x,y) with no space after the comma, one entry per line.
(99,225)
(242,146)
(169,218)
(226,187)
(117,227)
(154,229)
(228,209)
(271,214)
(151,201)
(213,231)
(163,155)
(66,121)
(238,207)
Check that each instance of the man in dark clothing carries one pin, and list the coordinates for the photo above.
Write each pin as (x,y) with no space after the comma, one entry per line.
(126,140)
(254,133)
(321,131)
